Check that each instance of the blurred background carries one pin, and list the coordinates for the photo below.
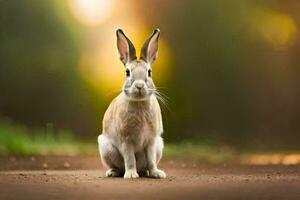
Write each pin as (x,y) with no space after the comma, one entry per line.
(230,69)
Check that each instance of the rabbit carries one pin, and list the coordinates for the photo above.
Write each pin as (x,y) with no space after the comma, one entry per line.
(131,144)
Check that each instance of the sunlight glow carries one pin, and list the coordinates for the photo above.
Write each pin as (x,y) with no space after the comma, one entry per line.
(278,30)
(91,12)
(271,159)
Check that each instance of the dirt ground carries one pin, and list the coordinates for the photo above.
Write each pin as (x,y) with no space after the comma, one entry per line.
(83,178)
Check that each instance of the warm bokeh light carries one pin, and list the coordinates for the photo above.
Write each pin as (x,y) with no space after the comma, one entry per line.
(91,12)
(278,30)
(271,159)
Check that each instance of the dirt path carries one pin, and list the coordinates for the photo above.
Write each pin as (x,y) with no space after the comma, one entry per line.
(64,178)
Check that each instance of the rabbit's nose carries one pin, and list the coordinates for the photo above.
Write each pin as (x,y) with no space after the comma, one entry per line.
(139,85)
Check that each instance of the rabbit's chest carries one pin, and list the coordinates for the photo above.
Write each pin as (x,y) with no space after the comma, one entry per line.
(138,127)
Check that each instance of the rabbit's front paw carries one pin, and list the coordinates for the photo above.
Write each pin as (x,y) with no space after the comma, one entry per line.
(157,173)
(131,174)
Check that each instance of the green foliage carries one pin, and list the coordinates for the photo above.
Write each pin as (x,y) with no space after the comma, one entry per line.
(20,140)
(200,151)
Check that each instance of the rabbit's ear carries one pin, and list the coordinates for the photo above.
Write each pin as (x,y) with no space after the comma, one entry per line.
(125,47)
(150,47)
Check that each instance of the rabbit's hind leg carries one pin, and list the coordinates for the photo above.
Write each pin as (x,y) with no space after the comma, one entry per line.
(159,148)
(110,157)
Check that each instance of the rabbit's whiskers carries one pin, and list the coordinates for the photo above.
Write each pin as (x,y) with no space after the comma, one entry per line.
(162,98)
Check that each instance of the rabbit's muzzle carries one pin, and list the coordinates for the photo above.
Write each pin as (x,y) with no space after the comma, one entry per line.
(139,85)
(139,89)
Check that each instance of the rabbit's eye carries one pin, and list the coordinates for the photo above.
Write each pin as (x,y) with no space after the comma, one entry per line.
(149,72)
(127,73)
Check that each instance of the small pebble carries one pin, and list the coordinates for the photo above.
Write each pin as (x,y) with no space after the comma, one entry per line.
(45,165)
(67,165)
